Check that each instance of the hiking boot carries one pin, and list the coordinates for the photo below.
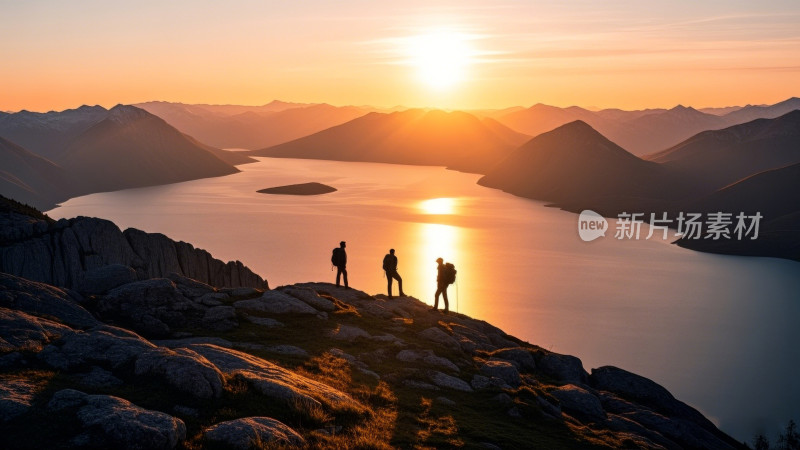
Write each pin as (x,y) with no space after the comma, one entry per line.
(402,294)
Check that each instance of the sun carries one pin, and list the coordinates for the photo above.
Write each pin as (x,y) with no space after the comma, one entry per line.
(441,58)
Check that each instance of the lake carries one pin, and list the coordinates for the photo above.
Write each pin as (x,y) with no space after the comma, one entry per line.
(720,332)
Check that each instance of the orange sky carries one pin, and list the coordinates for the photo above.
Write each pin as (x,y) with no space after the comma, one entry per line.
(627,54)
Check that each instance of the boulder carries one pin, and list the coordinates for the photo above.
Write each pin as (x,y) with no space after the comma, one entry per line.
(646,392)
(438,336)
(102,279)
(20,331)
(99,377)
(564,368)
(150,305)
(246,432)
(311,297)
(113,422)
(503,370)
(276,302)
(189,287)
(212,299)
(220,318)
(40,299)
(349,333)
(105,346)
(272,380)
(522,358)
(263,321)
(483,382)
(579,402)
(450,382)
(183,369)
(426,357)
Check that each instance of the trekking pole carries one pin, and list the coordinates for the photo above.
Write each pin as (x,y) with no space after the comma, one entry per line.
(456,296)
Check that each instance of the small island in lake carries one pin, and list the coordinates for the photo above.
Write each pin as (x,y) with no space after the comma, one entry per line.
(300,189)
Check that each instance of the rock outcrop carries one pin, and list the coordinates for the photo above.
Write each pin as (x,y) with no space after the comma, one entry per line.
(93,256)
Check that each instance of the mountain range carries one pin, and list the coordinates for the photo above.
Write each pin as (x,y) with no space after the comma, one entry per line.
(644,131)
(748,168)
(55,156)
(252,128)
(455,139)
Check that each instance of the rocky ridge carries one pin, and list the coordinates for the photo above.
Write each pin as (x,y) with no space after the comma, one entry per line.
(174,362)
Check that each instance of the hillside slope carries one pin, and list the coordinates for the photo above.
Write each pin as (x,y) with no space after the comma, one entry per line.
(303,365)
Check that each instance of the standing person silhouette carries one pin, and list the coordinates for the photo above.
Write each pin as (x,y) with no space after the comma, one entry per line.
(339,259)
(441,287)
(390,267)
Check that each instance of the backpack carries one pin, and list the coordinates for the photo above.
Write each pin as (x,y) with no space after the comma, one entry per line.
(386,265)
(449,273)
(337,257)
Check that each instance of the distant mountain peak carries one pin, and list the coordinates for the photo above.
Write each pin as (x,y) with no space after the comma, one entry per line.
(126,113)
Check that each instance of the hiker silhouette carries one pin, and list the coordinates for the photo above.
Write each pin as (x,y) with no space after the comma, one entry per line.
(390,267)
(441,286)
(339,259)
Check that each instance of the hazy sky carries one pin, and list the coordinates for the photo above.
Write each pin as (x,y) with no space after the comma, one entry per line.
(628,54)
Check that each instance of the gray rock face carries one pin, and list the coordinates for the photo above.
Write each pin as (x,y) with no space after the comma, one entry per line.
(245,432)
(580,402)
(311,297)
(99,377)
(103,279)
(23,332)
(151,306)
(438,336)
(118,423)
(220,318)
(183,369)
(276,302)
(646,392)
(450,382)
(349,333)
(105,346)
(272,380)
(502,370)
(43,300)
(427,357)
(53,254)
(564,368)
(522,358)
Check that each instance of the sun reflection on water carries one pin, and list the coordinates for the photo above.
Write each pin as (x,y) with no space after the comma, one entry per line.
(444,205)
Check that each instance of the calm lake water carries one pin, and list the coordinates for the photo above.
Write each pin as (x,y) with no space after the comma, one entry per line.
(720,332)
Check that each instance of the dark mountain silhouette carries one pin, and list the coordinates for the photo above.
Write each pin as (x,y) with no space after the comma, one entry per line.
(645,131)
(426,137)
(718,158)
(752,112)
(540,118)
(47,134)
(131,148)
(230,126)
(577,168)
(652,132)
(775,195)
(30,178)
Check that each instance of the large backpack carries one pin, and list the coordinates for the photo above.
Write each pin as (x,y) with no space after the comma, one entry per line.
(337,258)
(449,273)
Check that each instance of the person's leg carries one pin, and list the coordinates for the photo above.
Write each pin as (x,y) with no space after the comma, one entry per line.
(389,283)
(344,273)
(338,275)
(444,296)
(399,283)
(436,297)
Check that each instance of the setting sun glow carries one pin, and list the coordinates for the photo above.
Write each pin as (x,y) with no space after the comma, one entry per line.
(441,58)
(438,206)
